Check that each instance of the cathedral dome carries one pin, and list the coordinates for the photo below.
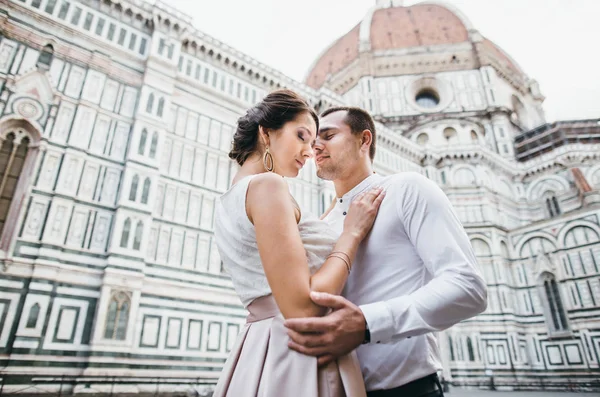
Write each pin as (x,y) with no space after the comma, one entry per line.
(390,28)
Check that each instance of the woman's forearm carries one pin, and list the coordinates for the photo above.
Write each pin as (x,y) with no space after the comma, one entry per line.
(332,276)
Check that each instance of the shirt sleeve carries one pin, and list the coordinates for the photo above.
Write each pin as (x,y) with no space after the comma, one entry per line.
(456,290)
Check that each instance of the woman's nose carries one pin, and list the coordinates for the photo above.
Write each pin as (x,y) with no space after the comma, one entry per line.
(309,153)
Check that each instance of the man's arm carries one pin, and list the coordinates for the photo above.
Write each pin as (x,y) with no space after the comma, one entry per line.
(456,292)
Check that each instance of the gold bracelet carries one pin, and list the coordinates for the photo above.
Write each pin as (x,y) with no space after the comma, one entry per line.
(343,253)
(342,258)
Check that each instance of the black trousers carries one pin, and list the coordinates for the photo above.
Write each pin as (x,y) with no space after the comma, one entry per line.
(428,386)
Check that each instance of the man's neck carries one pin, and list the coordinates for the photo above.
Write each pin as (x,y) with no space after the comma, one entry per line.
(347,183)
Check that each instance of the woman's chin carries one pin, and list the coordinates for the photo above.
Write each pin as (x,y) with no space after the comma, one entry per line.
(293,173)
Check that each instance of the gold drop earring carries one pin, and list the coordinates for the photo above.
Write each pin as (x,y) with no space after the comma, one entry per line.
(268,162)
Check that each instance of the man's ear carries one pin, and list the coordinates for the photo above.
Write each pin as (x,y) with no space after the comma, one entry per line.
(366,140)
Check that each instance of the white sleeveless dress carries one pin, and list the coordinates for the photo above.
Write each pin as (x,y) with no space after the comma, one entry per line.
(260,363)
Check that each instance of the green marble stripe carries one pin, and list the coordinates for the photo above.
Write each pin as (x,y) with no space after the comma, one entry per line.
(178,309)
(117,355)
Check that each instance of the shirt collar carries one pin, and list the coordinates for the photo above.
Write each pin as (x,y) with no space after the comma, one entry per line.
(361,187)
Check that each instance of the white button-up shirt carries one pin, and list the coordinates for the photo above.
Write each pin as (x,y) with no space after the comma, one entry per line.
(415,273)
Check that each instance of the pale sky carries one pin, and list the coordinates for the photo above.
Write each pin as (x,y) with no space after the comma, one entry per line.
(556,42)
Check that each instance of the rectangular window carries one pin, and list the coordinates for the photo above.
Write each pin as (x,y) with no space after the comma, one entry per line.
(180,64)
(246,94)
(239,90)
(161,46)
(111,32)
(198,70)
(170,55)
(230,87)
(505,148)
(143,45)
(253,96)
(223,83)
(122,35)
(206,76)
(76,16)
(88,21)
(132,41)
(214,79)
(188,69)
(64,9)
(36,3)
(501,132)
(100,26)
(50,6)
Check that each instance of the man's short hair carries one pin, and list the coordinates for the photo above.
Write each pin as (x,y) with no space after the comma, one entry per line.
(358,120)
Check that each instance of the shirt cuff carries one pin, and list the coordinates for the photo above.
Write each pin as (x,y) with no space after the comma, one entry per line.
(379,320)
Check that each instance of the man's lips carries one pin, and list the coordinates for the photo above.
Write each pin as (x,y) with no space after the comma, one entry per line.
(300,163)
(320,159)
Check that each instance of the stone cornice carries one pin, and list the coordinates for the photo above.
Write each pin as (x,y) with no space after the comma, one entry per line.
(205,47)
(69,52)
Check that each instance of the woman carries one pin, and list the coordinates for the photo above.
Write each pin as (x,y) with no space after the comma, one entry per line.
(276,255)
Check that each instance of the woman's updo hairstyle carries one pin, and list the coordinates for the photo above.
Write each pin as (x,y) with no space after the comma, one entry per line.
(276,109)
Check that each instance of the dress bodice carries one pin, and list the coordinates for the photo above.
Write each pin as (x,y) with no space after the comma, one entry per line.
(236,241)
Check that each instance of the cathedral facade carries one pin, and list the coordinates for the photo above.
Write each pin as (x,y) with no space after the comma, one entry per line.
(116,118)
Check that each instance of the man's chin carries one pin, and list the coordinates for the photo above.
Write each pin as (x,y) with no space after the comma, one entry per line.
(328,176)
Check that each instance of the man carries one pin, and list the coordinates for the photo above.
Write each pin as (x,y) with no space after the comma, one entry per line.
(413,275)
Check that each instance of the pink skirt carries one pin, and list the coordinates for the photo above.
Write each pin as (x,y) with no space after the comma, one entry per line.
(261,364)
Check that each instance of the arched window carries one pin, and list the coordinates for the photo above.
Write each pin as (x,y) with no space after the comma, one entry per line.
(470,349)
(552,206)
(134,187)
(117,316)
(161,105)
(555,313)
(34,313)
(474,136)
(45,57)
(450,134)
(137,241)
(142,145)
(451,347)
(125,233)
(146,191)
(13,153)
(150,103)
(153,145)
(422,139)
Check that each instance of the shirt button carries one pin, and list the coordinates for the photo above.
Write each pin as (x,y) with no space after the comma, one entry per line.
(344,212)
(341,201)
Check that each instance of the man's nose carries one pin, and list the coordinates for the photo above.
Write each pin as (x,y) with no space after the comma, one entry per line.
(318,146)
